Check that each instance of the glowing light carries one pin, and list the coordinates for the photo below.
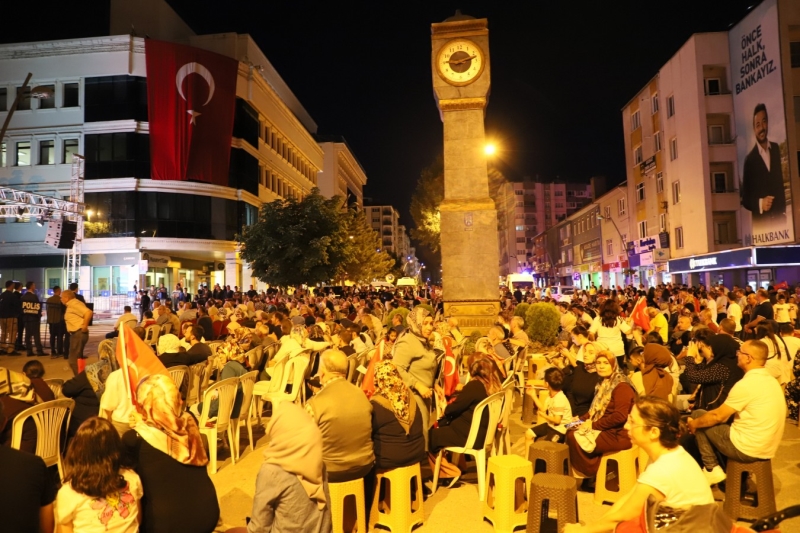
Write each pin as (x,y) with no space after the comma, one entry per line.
(490,149)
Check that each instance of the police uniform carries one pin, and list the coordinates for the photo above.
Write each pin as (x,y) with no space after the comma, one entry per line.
(32,318)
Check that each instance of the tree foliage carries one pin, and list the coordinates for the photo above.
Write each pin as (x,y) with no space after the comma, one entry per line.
(425,205)
(543,321)
(366,261)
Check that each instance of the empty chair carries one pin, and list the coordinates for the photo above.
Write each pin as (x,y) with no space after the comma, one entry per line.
(398,501)
(226,389)
(274,391)
(494,404)
(50,418)
(247,381)
(736,505)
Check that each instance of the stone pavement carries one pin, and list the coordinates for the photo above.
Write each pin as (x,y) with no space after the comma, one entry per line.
(455,510)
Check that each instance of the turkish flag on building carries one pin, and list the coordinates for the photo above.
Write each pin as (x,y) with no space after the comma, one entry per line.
(191,97)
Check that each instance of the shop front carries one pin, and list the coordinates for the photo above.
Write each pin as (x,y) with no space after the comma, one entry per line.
(613,275)
(758,267)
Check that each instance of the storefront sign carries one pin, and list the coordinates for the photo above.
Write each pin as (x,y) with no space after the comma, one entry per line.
(641,246)
(646,259)
(648,165)
(661,255)
(589,251)
(143,267)
(156,261)
(778,255)
(742,257)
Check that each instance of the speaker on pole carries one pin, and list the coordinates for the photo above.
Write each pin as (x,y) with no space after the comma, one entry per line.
(61,234)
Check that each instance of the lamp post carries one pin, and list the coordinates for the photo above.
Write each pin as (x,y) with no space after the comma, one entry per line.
(621,238)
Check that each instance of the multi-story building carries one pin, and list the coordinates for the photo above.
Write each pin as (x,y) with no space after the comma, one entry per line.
(386,221)
(99,109)
(613,210)
(341,174)
(528,208)
(688,132)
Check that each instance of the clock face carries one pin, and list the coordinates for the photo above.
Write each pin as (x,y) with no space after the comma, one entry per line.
(460,62)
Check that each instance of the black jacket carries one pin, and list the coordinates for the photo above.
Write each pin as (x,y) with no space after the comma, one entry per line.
(10,304)
(31,306)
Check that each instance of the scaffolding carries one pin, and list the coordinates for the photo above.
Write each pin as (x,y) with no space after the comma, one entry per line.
(73,266)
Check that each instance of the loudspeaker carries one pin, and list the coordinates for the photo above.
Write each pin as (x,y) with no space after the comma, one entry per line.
(61,234)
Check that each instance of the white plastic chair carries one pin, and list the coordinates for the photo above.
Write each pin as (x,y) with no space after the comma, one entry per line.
(502,440)
(49,419)
(254,356)
(247,382)
(273,391)
(494,404)
(198,375)
(211,427)
(151,335)
(166,328)
(178,374)
(55,385)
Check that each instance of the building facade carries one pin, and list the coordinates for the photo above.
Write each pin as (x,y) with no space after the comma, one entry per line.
(342,174)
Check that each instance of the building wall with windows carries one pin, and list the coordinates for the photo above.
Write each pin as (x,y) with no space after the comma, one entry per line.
(99,110)
(341,173)
(386,221)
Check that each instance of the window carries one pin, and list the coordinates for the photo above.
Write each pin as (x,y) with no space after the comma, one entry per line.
(50,102)
(716,134)
(660,182)
(642,229)
(519,228)
(518,192)
(722,234)
(794,52)
(25,100)
(3,99)
(713,86)
(637,155)
(654,103)
(2,155)
(607,211)
(559,193)
(636,122)
(639,192)
(720,183)
(670,106)
(621,206)
(662,222)
(119,155)
(23,153)
(676,192)
(520,239)
(47,152)
(673,149)
(657,141)
(610,247)
(70,149)
(679,238)
(71,95)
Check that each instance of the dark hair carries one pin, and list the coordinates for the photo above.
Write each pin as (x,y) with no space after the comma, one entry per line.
(759,108)
(140,332)
(653,337)
(636,351)
(197,331)
(9,283)
(659,413)
(127,308)
(609,313)
(29,285)
(148,314)
(785,328)
(484,370)
(56,288)
(702,335)
(764,331)
(33,369)
(554,378)
(728,326)
(93,461)
(580,330)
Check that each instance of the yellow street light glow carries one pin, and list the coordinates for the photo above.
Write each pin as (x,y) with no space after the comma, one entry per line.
(490,149)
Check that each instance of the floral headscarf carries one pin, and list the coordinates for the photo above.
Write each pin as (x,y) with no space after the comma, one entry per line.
(415,318)
(393,394)
(97,374)
(162,425)
(231,350)
(604,389)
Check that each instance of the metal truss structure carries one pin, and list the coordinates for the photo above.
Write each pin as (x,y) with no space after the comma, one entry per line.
(76,200)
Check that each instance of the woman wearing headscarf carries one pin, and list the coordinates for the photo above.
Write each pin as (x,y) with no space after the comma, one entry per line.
(291,487)
(651,377)
(711,369)
(228,363)
(397,433)
(416,361)
(613,400)
(86,389)
(608,328)
(579,385)
(166,451)
(24,393)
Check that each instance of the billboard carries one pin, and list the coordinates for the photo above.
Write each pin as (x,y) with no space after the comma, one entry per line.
(760,121)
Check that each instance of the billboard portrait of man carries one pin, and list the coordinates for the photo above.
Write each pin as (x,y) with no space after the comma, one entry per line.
(762,178)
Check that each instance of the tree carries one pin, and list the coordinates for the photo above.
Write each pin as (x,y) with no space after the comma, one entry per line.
(297,241)
(366,261)
(425,205)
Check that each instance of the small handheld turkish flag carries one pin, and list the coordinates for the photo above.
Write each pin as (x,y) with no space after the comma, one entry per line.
(191,97)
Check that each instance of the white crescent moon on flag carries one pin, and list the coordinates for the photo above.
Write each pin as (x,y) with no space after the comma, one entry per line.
(452,363)
(195,68)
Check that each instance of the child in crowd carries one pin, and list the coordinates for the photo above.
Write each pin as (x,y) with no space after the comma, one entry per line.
(98,495)
(555,410)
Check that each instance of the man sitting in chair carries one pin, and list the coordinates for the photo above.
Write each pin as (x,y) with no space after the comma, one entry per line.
(344,415)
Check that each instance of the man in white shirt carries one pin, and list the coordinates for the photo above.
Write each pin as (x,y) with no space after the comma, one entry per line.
(127,319)
(735,311)
(568,320)
(711,305)
(757,404)
(781,310)
(722,304)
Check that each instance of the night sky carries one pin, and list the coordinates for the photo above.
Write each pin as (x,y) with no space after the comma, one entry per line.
(561,72)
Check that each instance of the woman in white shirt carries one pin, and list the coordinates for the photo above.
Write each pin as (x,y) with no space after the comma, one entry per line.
(673,477)
(608,328)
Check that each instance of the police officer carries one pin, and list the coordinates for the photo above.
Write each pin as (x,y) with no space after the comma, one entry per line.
(32,317)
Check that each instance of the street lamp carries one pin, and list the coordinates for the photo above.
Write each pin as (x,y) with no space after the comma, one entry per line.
(490,149)
(621,238)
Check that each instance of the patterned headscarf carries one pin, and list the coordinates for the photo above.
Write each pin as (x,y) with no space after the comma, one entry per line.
(604,389)
(97,374)
(163,427)
(393,394)
(295,445)
(415,318)
(231,350)
(19,386)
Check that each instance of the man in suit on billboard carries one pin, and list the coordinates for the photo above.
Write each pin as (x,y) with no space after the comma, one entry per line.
(762,178)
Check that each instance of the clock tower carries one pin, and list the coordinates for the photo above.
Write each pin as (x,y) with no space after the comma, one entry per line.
(470,262)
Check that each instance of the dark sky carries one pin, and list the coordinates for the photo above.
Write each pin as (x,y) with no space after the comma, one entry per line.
(561,72)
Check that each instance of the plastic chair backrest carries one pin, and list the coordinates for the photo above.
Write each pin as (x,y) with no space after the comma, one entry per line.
(508,401)
(494,404)
(55,385)
(254,356)
(300,363)
(247,381)
(49,419)
(152,334)
(196,373)
(178,374)
(166,328)
(227,394)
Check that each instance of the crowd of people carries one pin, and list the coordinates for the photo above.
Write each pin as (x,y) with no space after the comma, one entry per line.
(707,376)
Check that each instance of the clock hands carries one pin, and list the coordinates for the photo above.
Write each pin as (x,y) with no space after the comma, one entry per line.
(459,61)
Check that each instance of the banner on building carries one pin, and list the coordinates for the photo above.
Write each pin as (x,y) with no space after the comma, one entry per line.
(761,144)
(191,97)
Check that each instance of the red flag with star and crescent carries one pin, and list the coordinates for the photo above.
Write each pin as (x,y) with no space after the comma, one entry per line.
(191,99)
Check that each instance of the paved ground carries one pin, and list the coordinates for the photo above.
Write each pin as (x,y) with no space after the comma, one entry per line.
(456,510)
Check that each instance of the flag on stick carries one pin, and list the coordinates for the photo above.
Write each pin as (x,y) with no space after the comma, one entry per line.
(136,359)
(639,315)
